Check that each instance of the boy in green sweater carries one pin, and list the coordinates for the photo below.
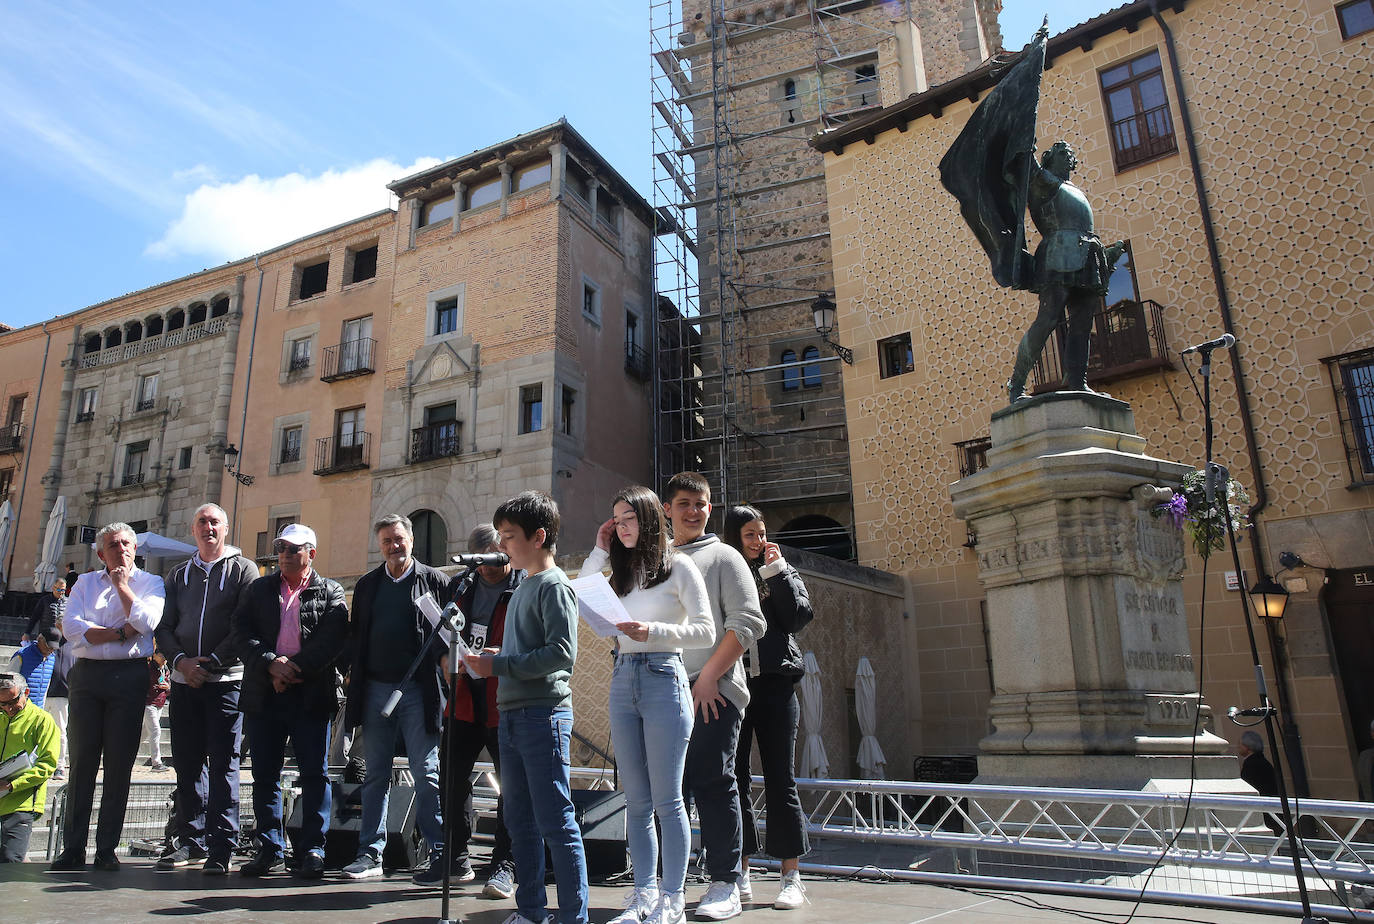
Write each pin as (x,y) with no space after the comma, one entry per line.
(535,664)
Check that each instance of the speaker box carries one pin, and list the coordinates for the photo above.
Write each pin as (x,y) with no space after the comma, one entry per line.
(601,819)
(405,846)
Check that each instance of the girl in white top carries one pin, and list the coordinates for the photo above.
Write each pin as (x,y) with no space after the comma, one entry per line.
(650,701)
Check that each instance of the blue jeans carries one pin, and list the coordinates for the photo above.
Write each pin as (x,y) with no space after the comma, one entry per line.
(709,780)
(651,723)
(535,760)
(284,716)
(207,733)
(379,745)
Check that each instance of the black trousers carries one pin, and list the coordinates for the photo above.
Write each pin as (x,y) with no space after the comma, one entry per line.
(105,721)
(465,743)
(709,780)
(772,717)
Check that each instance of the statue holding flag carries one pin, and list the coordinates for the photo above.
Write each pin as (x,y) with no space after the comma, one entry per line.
(991,170)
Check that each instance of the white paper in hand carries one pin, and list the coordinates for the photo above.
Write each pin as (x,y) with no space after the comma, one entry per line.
(598,605)
(430,608)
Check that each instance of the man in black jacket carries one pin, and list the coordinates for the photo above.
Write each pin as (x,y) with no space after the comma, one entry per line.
(47,613)
(388,631)
(207,727)
(290,629)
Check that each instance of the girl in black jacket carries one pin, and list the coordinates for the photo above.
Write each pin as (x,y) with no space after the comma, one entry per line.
(773,665)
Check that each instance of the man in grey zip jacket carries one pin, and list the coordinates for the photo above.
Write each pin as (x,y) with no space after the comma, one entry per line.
(207,727)
(719,691)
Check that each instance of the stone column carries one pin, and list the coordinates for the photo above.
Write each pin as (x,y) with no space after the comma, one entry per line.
(505,187)
(1095,683)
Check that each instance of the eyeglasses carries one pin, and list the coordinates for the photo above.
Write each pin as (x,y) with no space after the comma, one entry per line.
(14,703)
(281,546)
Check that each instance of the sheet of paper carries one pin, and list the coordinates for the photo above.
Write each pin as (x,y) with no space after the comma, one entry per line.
(430,608)
(598,605)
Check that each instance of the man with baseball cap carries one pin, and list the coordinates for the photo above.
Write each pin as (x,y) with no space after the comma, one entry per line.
(290,629)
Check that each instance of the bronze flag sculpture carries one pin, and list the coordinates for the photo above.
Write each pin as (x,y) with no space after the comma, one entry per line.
(991,169)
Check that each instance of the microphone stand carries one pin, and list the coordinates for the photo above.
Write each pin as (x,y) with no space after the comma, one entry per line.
(452,622)
(1218,475)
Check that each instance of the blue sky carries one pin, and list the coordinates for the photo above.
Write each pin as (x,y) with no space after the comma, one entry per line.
(140,142)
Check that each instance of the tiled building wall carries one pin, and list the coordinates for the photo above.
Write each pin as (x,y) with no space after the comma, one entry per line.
(1282,109)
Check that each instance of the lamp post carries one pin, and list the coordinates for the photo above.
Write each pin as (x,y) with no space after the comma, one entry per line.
(231,458)
(1269,598)
(823,313)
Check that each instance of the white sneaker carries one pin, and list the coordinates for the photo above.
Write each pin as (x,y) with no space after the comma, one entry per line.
(720,903)
(792,895)
(746,889)
(671,909)
(639,904)
(518,918)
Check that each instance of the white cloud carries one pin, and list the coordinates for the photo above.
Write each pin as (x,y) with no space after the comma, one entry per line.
(227,221)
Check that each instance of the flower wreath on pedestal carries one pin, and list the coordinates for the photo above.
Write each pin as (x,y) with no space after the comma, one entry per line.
(1206,524)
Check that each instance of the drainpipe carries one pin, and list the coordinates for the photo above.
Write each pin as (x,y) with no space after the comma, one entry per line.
(247,387)
(1292,739)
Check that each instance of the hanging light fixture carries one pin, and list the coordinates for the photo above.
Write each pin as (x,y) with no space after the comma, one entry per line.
(1269,598)
(823,313)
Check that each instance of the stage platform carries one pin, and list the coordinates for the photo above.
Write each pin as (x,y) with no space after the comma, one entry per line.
(138,892)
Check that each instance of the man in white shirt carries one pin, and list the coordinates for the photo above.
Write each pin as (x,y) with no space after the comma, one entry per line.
(109,623)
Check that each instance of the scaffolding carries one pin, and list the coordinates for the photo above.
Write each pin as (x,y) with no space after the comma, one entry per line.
(751,393)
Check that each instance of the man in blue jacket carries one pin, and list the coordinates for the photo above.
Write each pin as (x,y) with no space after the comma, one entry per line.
(207,727)
(35,660)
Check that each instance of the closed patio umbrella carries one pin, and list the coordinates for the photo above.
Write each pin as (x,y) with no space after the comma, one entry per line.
(6,529)
(46,572)
(872,762)
(813,761)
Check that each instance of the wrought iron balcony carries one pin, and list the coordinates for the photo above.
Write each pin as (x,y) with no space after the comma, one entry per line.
(348,359)
(637,361)
(973,455)
(12,437)
(1127,340)
(298,363)
(290,453)
(436,441)
(333,455)
(85,416)
(131,478)
(1143,136)
(144,404)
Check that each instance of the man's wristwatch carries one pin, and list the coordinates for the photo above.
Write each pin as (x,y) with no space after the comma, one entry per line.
(121,634)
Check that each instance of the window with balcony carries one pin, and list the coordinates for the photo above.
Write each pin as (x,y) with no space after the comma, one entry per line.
(146,398)
(354,355)
(531,408)
(577,180)
(314,279)
(607,210)
(1352,379)
(219,307)
(135,462)
(6,483)
(291,439)
(1137,108)
(895,356)
(197,314)
(348,448)
(973,455)
(85,404)
(636,356)
(300,354)
(1356,18)
(440,437)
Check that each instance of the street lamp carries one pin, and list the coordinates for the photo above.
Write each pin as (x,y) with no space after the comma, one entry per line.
(231,458)
(1268,598)
(823,313)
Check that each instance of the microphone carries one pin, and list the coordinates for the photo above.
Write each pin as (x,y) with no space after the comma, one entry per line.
(478,561)
(1224,342)
(1252,711)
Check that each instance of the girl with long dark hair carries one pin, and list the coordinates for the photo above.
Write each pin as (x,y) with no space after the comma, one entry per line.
(650,702)
(773,665)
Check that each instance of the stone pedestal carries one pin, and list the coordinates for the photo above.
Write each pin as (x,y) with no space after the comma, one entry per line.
(1093,672)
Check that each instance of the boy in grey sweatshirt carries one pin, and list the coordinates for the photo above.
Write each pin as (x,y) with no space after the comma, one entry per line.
(719,690)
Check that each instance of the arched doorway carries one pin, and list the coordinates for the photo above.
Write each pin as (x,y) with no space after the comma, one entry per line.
(431,538)
(817,533)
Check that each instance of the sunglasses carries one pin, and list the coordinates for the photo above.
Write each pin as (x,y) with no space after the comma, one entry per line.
(12,703)
(282,546)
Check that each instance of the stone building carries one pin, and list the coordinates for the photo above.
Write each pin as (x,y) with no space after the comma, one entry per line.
(740,87)
(491,336)
(1227,142)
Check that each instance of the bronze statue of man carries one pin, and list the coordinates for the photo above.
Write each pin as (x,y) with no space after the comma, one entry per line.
(1072,269)
(990,168)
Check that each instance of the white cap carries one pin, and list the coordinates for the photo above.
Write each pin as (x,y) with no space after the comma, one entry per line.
(296,534)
